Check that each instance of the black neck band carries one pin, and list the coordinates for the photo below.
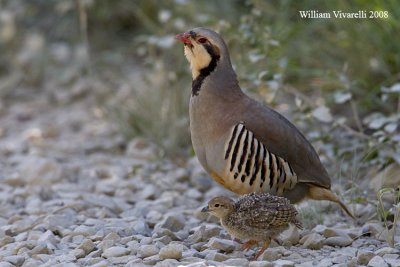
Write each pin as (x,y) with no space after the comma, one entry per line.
(204,72)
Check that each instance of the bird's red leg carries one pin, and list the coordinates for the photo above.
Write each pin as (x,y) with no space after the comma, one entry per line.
(248,245)
(266,245)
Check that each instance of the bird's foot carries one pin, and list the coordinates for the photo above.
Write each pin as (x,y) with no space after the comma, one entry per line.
(261,251)
(248,245)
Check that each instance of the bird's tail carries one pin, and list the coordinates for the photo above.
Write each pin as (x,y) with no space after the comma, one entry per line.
(319,193)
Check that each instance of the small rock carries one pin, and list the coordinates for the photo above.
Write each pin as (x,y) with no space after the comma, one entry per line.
(312,241)
(236,262)
(6,240)
(17,260)
(261,264)
(340,259)
(142,228)
(364,257)
(78,253)
(40,171)
(216,256)
(87,245)
(60,221)
(391,256)
(168,263)
(372,228)
(173,223)
(331,232)
(319,229)
(40,249)
(352,262)
(377,261)
(387,250)
(283,263)
(115,252)
(305,264)
(392,262)
(291,235)
(271,254)
(222,244)
(6,264)
(171,251)
(325,262)
(147,251)
(338,241)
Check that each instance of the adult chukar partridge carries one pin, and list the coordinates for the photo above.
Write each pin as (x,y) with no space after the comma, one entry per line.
(244,145)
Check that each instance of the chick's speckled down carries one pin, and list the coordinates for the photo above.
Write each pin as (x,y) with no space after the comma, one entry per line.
(260,216)
(256,217)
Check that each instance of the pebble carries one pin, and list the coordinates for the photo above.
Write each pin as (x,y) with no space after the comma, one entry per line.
(364,257)
(115,252)
(283,263)
(387,250)
(171,251)
(377,261)
(16,260)
(261,264)
(87,246)
(236,262)
(147,251)
(172,223)
(216,256)
(312,241)
(338,241)
(222,244)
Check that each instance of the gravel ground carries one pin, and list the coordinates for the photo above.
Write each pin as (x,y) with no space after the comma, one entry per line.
(72,193)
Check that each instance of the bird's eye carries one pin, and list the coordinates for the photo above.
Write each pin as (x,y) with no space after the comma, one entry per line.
(202,40)
(216,205)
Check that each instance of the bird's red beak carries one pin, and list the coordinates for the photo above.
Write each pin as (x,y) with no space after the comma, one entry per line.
(184,38)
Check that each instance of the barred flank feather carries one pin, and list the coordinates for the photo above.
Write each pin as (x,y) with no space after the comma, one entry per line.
(249,160)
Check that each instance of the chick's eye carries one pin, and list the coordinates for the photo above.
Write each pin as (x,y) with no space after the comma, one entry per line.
(216,205)
(202,40)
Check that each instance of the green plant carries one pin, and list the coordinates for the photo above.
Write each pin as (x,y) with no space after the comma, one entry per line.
(393,212)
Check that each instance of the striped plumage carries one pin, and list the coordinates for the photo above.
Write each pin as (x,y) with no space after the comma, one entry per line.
(255,217)
(250,164)
(244,145)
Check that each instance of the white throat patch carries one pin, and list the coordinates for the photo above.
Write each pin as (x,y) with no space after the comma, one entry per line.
(198,58)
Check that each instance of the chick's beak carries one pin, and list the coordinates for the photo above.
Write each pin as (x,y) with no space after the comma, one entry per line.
(184,38)
(205,209)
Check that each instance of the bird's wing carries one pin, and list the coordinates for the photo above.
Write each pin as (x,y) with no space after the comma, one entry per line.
(268,215)
(265,210)
(283,139)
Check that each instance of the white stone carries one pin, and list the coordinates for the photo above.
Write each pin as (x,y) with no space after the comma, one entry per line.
(312,241)
(147,251)
(377,261)
(387,250)
(283,263)
(40,171)
(261,264)
(17,260)
(222,244)
(339,241)
(87,245)
(236,262)
(171,251)
(115,252)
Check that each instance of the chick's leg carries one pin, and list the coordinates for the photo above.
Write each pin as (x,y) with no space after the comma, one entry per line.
(261,251)
(248,245)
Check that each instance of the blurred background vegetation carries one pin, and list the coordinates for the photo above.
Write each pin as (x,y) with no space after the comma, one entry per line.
(338,80)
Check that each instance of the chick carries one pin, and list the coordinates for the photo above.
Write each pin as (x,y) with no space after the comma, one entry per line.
(256,217)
